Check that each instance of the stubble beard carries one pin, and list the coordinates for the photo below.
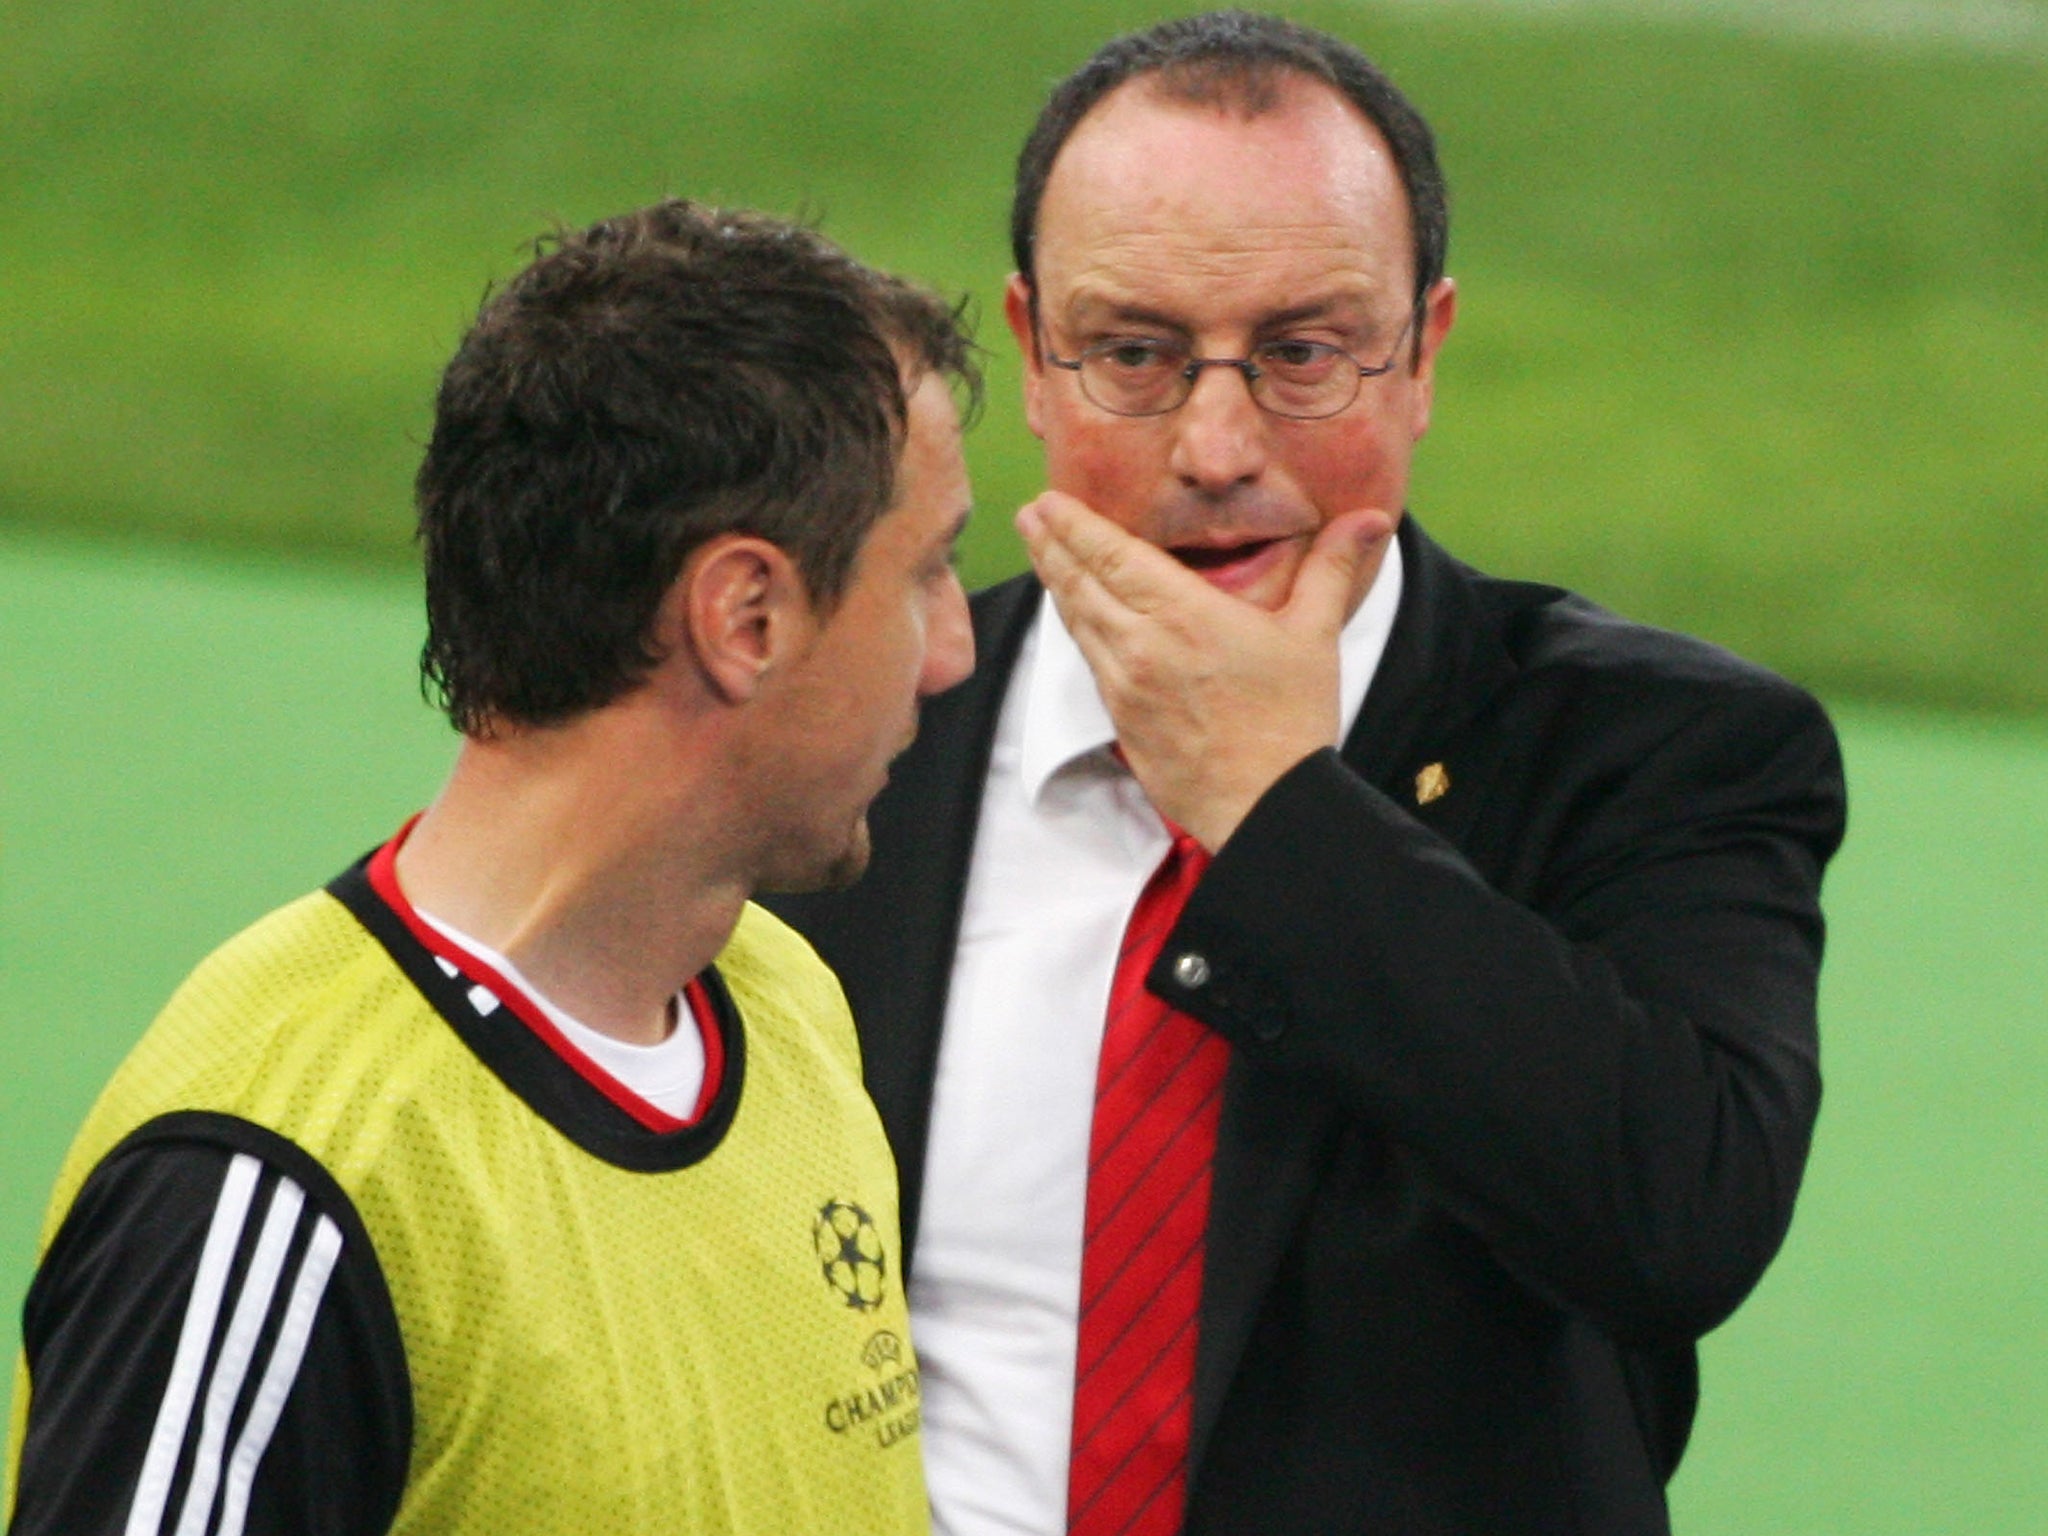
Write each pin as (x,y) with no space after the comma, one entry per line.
(800,876)
(852,862)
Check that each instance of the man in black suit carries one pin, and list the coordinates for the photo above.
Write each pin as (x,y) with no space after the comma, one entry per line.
(1509,923)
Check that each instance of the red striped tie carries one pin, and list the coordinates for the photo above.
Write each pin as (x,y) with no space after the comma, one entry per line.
(1158,1093)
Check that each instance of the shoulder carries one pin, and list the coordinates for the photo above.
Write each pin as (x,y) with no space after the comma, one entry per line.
(206,1262)
(234,1028)
(1573,663)
(284,974)
(304,1024)
(774,974)
(1589,728)
(195,1177)
(301,942)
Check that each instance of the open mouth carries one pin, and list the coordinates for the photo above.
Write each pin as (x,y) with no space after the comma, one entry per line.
(1241,567)
(1208,558)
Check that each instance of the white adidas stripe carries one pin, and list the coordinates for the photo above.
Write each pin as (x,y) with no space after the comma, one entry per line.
(215,1469)
(285,1355)
(238,1347)
(202,1311)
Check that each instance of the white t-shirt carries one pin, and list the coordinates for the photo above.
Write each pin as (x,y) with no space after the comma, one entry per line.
(669,1075)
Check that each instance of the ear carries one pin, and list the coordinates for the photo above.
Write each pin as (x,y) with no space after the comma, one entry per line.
(1440,308)
(739,607)
(1023,325)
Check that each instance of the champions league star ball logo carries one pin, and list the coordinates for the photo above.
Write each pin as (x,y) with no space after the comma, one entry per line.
(850,1249)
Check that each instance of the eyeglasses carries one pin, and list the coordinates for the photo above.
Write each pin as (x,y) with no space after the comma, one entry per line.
(1145,376)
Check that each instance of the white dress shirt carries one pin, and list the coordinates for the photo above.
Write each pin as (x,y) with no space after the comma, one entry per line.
(1065,843)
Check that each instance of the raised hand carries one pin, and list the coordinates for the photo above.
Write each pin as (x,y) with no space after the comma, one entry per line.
(1214,698)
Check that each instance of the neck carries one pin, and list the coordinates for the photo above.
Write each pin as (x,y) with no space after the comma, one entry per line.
(600,876)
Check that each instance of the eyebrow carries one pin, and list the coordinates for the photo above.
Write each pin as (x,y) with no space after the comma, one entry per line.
(1322,309)
(1098,310)
(1090,310)
(1356,310)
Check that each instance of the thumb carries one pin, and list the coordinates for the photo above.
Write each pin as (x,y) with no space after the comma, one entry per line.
(1338,568)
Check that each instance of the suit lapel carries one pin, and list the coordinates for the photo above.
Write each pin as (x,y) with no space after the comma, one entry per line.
(1442,662)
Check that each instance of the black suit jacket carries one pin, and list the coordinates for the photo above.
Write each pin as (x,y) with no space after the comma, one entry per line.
(1523,1077)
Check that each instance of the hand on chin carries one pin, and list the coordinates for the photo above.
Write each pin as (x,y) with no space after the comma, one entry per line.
(1213,699)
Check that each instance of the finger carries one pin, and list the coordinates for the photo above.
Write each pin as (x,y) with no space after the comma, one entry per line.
(1056,565)
(1136,573)
(1338,569)
(1097,622)
(1054,516)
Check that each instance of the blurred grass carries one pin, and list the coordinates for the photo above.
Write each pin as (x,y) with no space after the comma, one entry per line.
(1752,340)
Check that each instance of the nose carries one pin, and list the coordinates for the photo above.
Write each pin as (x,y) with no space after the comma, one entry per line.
(1219,434)
(948,642)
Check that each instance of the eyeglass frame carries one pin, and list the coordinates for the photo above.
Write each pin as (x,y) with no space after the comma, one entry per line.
(1190,372)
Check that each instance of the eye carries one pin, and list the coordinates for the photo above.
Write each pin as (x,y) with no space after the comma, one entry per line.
(1299,359)
(1135,355)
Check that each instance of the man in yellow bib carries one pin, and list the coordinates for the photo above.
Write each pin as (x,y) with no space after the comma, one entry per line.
(522,1179)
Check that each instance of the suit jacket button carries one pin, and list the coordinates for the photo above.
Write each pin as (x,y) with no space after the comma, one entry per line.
(1191,971)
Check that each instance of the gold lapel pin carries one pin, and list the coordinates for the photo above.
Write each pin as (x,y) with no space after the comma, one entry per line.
(1432,783)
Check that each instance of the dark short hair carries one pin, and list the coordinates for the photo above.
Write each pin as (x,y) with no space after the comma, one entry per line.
(1239,59)
(647,384)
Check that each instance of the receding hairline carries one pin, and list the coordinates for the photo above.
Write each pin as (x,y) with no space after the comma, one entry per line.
(1250,87)
(1250,95)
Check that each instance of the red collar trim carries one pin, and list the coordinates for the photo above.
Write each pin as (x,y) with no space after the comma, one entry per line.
(383,873)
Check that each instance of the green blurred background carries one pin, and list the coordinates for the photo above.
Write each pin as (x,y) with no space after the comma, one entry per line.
(1753,341)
